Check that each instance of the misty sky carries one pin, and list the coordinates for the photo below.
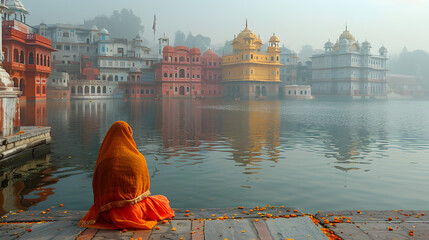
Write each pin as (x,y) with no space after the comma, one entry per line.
(394,23)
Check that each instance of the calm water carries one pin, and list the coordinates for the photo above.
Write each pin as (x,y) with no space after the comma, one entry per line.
(322,154)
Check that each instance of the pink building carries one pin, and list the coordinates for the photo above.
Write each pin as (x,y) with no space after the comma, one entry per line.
(183,72)
(212,75)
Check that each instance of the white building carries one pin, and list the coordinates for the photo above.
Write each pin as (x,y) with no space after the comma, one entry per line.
(348,68)
(118,56)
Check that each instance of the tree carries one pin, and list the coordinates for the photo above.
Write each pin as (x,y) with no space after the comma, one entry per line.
(121,24)
(199,41)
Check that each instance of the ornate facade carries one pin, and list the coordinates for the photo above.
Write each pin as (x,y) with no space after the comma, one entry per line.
(27,56)
(248,72)
(348,68)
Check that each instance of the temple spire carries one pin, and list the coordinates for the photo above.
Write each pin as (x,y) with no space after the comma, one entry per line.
(246,22)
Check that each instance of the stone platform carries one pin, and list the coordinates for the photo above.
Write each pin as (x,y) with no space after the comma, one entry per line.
(270,223)
(24,142)
(369,225)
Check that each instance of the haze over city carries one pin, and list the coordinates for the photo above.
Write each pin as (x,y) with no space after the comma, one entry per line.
(392,23)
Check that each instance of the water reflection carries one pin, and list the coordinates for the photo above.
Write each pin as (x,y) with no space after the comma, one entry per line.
(255,146)
(25,184)
(252,129)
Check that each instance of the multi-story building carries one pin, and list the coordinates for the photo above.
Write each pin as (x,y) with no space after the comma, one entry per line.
(348,68)
(118,56)
(27,56)
(288,71)
(71,42)
(211,75)
(179,73)
(249,72)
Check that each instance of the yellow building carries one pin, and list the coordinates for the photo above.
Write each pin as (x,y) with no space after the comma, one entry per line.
(248,72)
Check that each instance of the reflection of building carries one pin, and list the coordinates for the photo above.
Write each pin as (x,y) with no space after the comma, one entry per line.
(254,133)
(21,182)
(248,72)
(34,113)
(184,123)
(349,68)
(27,56)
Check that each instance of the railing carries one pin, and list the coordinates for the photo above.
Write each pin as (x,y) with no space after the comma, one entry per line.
(31,37)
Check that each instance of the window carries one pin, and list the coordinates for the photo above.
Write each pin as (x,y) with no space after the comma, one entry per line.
(181,59)
(165,75)
(171,75)
(187,89)
(43,90)
(31,58)
(152,91)
(198,59)
(251,56)
(66,47)
(175,89)
(175,75)
(182,73)
(147,91)
(272,58)
(166,58)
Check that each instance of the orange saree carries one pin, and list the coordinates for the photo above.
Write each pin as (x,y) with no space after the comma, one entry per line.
(121,186)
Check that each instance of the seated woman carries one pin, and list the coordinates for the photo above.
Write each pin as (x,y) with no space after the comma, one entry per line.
(121,186)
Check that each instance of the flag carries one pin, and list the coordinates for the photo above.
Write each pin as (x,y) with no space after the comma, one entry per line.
(154,24)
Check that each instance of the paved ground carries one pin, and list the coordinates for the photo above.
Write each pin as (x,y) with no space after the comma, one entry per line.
(267,223)
(368,225)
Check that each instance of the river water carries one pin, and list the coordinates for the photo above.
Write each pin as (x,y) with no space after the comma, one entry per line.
(322,154)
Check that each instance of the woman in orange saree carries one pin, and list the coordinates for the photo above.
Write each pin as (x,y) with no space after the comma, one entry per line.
(121,186)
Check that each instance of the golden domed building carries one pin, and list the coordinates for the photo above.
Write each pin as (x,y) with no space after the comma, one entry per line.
(348,68)
(249,72)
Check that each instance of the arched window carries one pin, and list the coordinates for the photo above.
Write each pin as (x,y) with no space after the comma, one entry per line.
(22,86)
(187,75)
(49,62)
(41,60)
(79,89)
(16,55)
(133,78)
(44,60)
(165,75)
(104,89)
(31,58)
(15,82)
(73,89)
(21,58)
(43,89)
(116,78)
(198,59)
(104,77)
(110,78)
(92,89)
(38,59)
(138,78)
(182,73)
(38,90)
(181,59)
(98,89)
(86,89)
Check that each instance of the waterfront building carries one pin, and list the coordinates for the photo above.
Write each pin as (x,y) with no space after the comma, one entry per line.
(405,86)
(27,55)
(249,72)
(211,74)
(139,86)
(288,70)
(348,68)
(58,86)
(71,42)
(118,56)
(179,72)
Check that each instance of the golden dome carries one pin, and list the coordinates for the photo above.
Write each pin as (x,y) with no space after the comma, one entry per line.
(274,38)
(247,34)
(347,35)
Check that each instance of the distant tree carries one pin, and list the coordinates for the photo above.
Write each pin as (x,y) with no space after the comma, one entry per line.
(121,24)
(307,51)
(199,41)
(411,63)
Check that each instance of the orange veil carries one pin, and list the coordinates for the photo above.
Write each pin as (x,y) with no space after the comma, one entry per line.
(121,186)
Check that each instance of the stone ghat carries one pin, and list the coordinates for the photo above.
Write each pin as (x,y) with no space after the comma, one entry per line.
(369,225)
(266,223)
(24,142)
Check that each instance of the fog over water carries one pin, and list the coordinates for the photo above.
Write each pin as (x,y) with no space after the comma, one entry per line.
(394,23)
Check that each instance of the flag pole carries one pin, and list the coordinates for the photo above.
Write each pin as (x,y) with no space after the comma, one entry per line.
(154,31)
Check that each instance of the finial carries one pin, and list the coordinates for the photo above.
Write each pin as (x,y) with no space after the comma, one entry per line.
(246,22)
(346,26)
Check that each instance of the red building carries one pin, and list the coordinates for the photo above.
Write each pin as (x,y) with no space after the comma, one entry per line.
(179,72)
(212,75)
(27,59)
(136,87)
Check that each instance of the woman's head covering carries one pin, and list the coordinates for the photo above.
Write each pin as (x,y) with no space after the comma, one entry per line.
(121,177)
